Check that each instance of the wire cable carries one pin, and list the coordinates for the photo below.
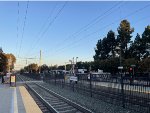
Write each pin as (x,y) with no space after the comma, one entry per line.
(25,18)
(17,27)
(42,27)
(87,36)
(50,24)
(91,23)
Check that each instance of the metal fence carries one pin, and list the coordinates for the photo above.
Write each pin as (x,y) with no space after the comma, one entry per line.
(132,93)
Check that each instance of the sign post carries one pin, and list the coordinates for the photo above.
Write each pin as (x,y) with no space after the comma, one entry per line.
(73,80)
(122,86)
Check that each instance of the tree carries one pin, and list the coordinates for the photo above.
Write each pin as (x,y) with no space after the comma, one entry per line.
(105,48)
(3,62)
(11,61)
(111,43)
(33,68)
(124,36)
(146,41)
(145,65)
(130,61)
(98,50)
(44,67)
(62,67)
(102,49)
(26,69)
(53,67)
(68,67)
(138,48)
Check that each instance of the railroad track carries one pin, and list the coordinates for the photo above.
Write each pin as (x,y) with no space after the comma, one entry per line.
(132,101)
(51,102)
(41,105)
(55,102)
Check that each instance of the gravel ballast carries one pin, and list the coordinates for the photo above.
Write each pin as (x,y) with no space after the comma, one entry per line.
(96,105)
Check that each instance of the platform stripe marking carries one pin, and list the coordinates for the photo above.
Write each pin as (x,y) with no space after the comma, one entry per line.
(15,101)
(28,101)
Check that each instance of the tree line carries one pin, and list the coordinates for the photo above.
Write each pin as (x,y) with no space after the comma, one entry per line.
(118,50)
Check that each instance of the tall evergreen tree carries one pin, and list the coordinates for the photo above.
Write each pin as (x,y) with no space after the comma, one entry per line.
(98,50)
(111,43)
(124,36)
(137,49)
(146,41)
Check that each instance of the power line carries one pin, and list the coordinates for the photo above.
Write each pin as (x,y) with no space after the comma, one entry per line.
(17,26)
(138,10)
(25,18)
(43,26)
(50,24)
(94,21)
(91,23)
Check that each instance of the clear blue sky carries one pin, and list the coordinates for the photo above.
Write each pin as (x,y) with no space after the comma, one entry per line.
(56,41)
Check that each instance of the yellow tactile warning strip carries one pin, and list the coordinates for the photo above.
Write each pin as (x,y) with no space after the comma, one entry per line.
(29,103)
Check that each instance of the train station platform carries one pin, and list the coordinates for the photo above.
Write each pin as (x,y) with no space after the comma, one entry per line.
(16,100)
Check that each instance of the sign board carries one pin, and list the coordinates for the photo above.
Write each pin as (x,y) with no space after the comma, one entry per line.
(13,78)
(120,67)
(73,78)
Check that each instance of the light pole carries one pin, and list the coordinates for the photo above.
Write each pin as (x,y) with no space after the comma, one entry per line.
(121,67)
(76,65)
(76,59)
(71,64)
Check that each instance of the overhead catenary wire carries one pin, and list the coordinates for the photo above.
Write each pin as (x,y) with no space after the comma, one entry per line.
(94,21)
(24,23)
(138,10)
(110,24)
(87,36)
(17,26)
(50,24)
(42,28)
(91,23)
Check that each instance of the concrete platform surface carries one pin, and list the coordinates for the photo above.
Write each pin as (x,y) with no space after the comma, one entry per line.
(16,100)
